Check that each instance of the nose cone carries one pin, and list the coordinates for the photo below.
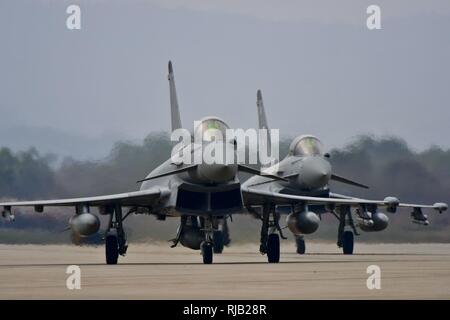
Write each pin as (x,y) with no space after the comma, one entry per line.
(315,173)
(216,169)
(216,173)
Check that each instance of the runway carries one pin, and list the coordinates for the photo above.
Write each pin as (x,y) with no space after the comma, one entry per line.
(408,271)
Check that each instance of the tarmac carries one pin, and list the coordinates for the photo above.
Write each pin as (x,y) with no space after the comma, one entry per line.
(155,271)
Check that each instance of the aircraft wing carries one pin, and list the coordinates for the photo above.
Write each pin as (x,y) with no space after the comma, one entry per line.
(135,198)
(439,206)
(260,197)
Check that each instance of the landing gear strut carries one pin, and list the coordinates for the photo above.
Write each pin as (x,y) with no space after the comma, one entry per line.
(115,240)
(183,221)
(270,240)
(345,237)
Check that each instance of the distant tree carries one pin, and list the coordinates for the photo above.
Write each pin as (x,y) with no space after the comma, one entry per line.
(387,164)
(26,174)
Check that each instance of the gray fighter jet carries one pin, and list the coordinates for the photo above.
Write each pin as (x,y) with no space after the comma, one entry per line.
(307,172)
(202,195)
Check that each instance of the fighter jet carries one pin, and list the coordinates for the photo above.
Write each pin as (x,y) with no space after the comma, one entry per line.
(202,195)
(307,173)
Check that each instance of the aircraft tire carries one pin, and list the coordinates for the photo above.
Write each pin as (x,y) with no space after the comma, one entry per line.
(207,252)
(273,248)
(218,241)
(226,234)
(301,246)
(348,242)
(111,249)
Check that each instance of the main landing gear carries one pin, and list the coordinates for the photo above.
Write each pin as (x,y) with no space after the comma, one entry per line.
(300,242)
(115,238)
(347,242)
(345,237)
(207,252)
(273,248)
(270,240)
(221,235)
(218,241)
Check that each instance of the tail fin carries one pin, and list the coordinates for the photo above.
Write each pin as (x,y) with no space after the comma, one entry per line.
(174,109)
(262,120)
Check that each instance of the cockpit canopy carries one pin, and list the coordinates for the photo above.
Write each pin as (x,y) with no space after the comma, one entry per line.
(211,129)
(306,145)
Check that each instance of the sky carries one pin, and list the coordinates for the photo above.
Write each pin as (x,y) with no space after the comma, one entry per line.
(321,71)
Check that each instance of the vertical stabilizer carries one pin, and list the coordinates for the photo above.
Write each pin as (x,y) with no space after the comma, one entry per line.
(262,120)
(174,109)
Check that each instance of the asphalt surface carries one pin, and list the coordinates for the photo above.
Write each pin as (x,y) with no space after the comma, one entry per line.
(408,271)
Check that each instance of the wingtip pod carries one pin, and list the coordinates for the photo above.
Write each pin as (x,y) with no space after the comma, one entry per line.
(170,67)
(440,206)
